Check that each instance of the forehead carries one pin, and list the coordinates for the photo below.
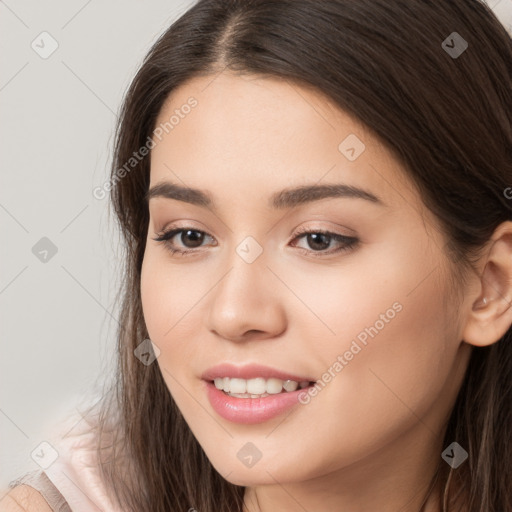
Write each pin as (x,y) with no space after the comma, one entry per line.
(265,134)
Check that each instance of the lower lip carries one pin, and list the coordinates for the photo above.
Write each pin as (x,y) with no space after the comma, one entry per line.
(251,410)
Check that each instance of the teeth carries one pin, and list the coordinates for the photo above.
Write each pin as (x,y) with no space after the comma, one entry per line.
(258,387)
(237,386)
(290,385)
(274,386)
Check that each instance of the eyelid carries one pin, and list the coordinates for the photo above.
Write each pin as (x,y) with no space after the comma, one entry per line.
(168,232)
(304,229)
(315,229)
(350,242)
(181,224)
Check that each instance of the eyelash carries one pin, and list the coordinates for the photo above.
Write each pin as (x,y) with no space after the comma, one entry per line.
(349,242)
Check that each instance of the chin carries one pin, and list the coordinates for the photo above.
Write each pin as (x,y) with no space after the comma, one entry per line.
(249,477)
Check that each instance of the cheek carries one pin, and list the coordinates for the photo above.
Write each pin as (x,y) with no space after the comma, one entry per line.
(152,289)
(167,294)
(171,302)
(396,378)
(383,309)
(393,349)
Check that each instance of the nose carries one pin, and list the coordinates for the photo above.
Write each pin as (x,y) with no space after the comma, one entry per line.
(246,303)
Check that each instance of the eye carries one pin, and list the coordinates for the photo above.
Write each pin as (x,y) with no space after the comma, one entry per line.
(195,237)
(319,240)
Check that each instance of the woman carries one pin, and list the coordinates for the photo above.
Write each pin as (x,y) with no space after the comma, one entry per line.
(315,199)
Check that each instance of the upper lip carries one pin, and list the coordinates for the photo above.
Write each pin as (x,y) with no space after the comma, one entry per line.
(250,371)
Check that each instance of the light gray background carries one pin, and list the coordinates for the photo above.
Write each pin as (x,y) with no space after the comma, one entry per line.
(56,134)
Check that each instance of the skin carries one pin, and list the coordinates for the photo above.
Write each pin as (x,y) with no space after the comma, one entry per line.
(23,498)
(372,437)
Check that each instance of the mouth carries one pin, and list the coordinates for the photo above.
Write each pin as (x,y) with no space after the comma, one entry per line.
(257,387)
(273,397)
(253,393)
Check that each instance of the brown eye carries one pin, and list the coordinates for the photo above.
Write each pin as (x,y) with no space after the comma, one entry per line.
(318,241)
(190,238)
(195,238)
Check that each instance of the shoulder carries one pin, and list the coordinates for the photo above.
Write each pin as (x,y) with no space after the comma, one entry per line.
(74,477)
(24,498)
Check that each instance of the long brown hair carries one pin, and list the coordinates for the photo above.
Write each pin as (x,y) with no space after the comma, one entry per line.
(446,118)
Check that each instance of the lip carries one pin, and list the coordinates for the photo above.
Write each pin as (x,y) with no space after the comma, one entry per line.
(251,410)
(251,371)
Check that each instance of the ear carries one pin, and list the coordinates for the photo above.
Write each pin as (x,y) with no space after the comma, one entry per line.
(491,312)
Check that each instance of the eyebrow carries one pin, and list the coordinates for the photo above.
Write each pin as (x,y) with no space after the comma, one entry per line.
(287,198)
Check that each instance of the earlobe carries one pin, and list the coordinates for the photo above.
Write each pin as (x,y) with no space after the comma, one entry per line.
(491,312)
(488,322)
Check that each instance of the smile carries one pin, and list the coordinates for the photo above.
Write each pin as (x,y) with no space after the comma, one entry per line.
(257,387)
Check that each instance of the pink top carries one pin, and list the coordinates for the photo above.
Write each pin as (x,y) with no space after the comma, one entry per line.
(72,481)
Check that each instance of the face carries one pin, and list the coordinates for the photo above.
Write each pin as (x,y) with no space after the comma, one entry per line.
(342,286)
